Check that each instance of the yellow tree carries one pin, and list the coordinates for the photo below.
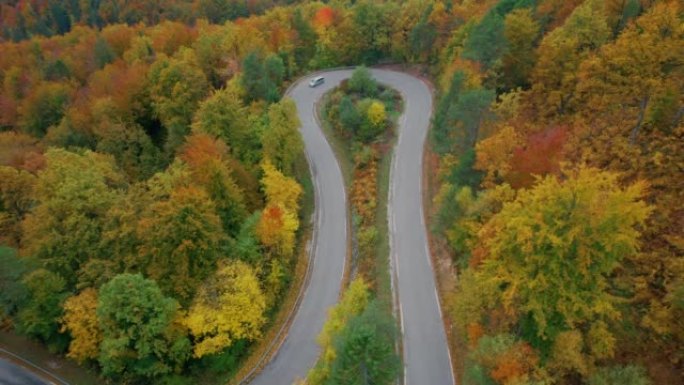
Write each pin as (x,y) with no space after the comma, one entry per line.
(280,189)
(223,116)
(377,115)
(176,86)
(521,32)
(631,80)
(181,241)
(549,252)
(494,155)
(560,53)
(276,229)
(228,307)
(16,199)
(631,99)
(80,320)
(207,159)
(278,223)
(281,141)
(73,194)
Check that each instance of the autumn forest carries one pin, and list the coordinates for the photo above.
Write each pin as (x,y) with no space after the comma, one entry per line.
(156,202)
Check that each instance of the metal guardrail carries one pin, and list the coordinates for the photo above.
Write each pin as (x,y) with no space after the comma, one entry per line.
(35,368)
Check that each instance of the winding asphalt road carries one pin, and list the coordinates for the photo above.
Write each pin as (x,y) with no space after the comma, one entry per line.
(426,356)
(427,359)
(300,350)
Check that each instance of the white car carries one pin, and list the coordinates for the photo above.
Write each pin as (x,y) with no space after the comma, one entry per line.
(316,81)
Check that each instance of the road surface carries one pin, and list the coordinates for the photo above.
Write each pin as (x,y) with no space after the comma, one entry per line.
(426,356)
(11,374)
(300,350)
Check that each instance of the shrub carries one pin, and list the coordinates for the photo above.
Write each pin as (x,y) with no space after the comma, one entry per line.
(349,116)
(377,115)
(370,127)
(363,83)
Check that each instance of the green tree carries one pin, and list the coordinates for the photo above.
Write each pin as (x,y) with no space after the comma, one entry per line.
(306,39)
(365,350)
(354,300)
(16,200)
(521,32)
(274,74)
(252,77)
(216,11)
(350,118)
(445,116)
(132,148)
(180,241)
(140,339)
(261,78)
(472,109)
(620,12)
(60,18)
(177,85)
(371,30)
(486,42)
(362,81)
(282,142)
(223,116)
(247,245)
(44,107)
(422,37)
(462,174)
(206,158)
(460,114)
(39,315)
(103,52)
(73,194)
(13,292)
(56,70)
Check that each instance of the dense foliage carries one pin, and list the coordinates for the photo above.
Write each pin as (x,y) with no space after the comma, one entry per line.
(23,19)
(148,200)
(559,135)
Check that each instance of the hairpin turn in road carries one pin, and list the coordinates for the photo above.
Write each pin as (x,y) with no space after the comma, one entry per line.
(425,350)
